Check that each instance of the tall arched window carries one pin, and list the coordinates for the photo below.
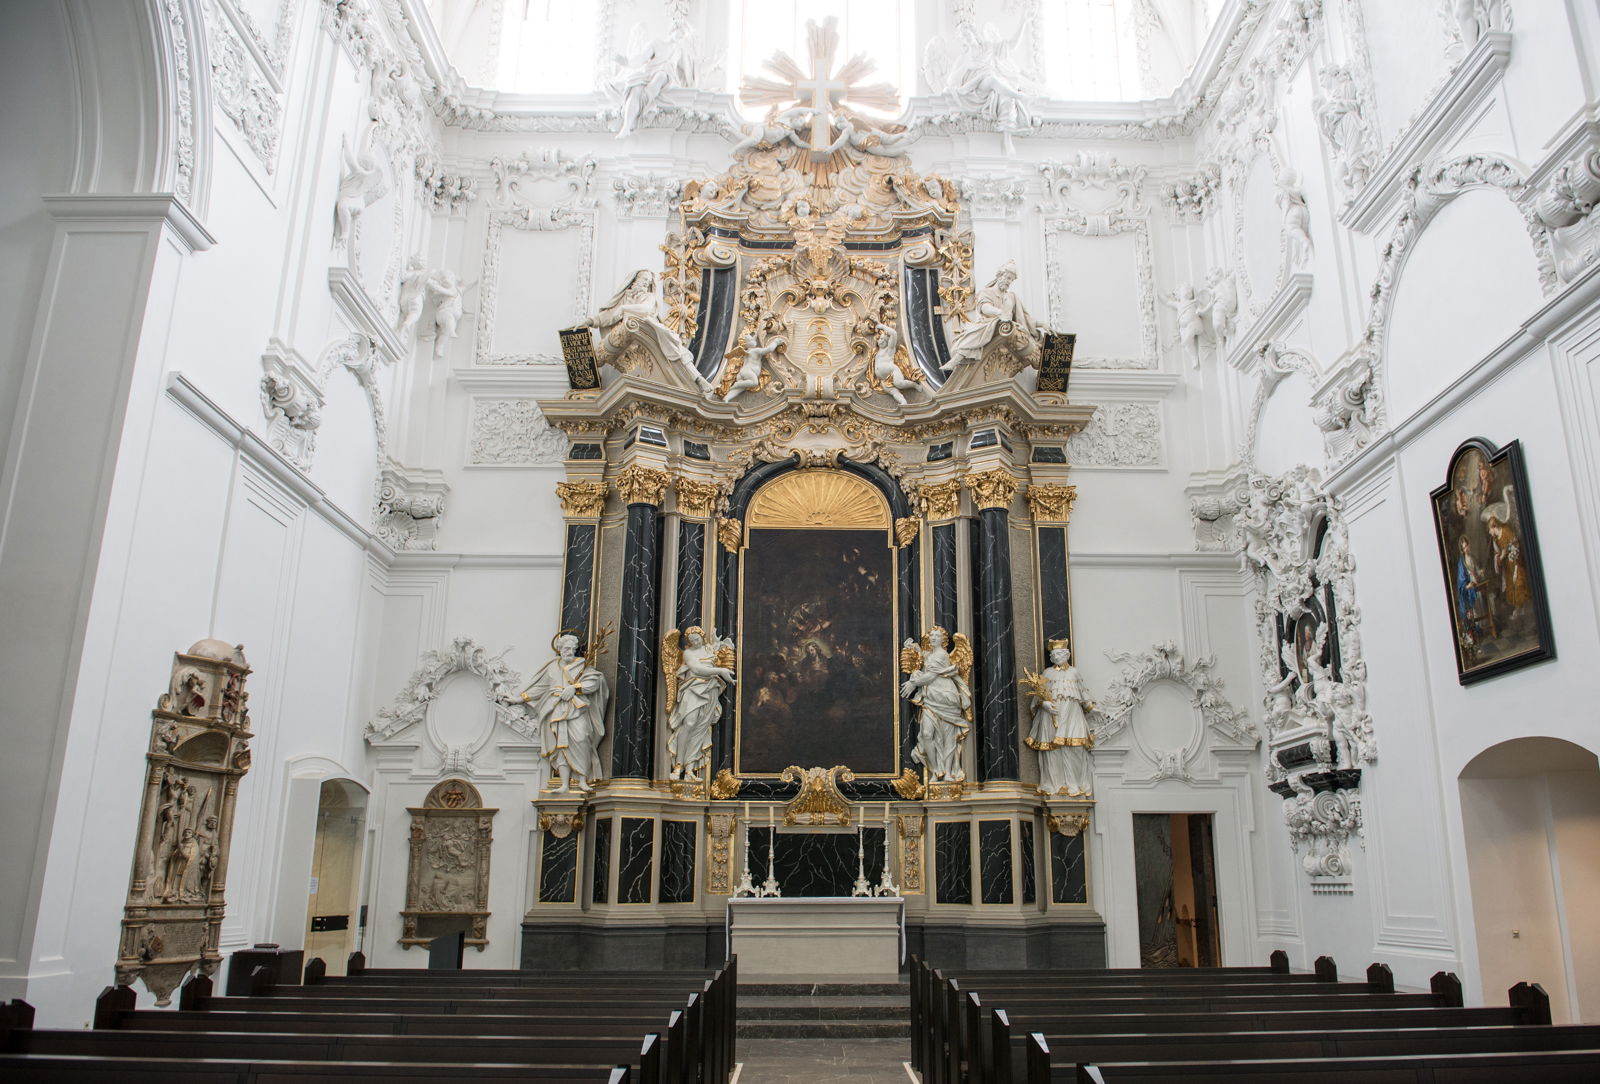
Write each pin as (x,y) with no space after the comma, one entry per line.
(548,47)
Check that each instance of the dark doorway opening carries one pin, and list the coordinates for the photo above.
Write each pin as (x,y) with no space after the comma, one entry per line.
(1176,886)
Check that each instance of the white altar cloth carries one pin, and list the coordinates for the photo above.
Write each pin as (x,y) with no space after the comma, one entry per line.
(817,935)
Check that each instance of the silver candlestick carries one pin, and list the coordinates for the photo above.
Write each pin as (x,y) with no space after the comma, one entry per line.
(745,888)
(769,887)
(886,885)
(861,887)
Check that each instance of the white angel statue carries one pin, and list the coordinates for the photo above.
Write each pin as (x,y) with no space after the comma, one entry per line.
(940,685)
(698,668)
(885,370)
(755,356)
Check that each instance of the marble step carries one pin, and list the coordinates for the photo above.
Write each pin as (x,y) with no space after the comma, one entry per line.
(826,989)
(823,1008)
(824,1029)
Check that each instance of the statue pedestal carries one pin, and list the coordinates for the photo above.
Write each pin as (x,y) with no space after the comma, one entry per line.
(815,936)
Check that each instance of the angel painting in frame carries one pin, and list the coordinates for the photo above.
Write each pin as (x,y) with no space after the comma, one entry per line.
(939,683)
(1483,518)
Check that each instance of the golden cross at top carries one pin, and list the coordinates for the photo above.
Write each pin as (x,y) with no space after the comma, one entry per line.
(822,91)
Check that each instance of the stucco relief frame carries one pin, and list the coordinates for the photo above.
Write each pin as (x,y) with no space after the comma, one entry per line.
(560,218)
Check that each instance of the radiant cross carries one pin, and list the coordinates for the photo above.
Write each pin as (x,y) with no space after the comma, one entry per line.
(823,90)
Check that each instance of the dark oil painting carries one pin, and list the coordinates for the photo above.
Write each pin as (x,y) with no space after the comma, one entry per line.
(1498,613)
(817,651)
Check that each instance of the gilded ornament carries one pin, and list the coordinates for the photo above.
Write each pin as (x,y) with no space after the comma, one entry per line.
(911,828)
(1067,824)
(906,530)
(946,792)
(696,499)
(1051,502)
(642,485)
(819,498)
(908,785)
(561,825)
(730,532)
(992,488)
(819,800)
(719,873)
(581,499)
(941,500)
(725,786)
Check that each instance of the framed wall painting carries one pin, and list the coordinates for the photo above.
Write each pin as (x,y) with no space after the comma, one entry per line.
(1483,518)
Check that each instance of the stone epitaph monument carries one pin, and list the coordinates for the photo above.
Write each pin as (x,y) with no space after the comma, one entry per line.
(822,499)
(199,750)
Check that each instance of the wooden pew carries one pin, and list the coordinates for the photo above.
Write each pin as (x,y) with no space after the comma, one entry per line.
(1546,1067)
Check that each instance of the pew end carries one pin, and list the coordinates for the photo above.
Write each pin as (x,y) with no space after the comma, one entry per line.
(1279,961)
(1039,1059)
(111,1004)
(1000,1047)
(194,994)
(316,971)
(1326,969)
(1380,979)
(1448,989)
(1532,1004)
(356,964)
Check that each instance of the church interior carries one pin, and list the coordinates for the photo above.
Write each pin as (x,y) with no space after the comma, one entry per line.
(859,487)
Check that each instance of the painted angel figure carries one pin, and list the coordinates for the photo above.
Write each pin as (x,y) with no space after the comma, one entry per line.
(698,668)
(884,368)
(637,304)
(996,312)
(755,356)
(940,685)
(568,700)
(1060,732)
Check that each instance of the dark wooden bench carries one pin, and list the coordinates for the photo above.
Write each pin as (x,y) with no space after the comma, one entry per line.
(1546,1067)
(89,1069)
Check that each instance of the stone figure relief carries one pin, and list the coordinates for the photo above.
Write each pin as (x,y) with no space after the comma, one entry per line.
(447,873)
(1060,732)
(751,368)
(997,314)
(1296,218)
(199,749)
(567,698)
(634,314)
(939,683)
(1224,306)
(981,70)
(1345,125)
(361,184)
(886,367)
(642,76)
(698,669)
(413,295)
(447,291)
(1186,305)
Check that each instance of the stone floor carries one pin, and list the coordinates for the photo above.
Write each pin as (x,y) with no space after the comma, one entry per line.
(823,1061)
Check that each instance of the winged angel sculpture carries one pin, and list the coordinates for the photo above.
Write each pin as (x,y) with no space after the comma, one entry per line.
(698,668)
(940,685)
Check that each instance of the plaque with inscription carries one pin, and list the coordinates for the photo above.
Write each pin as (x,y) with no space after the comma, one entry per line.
(1055,361)
(577,350)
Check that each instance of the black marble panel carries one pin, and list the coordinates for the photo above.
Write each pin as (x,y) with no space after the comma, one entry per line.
(577,580)
(558,868)
(1054,594)
(910,628)
(1069,879)
(714,320)
(924,324)
(1049,455)
(997,699)
(601,892)
(1030,890)
(635,862)
(691,571)
(952,862)
(944,575)
(984,438)
(939,452)
(653,435)
(994,861)
(695,450)
(586,451)
(727,624)
(677,862)
(817,863)
(633,736)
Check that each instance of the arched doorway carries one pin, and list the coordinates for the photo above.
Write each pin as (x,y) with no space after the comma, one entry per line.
(1530,811)
(333,918)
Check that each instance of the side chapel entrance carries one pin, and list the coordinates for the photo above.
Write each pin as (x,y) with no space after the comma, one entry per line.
(1175,878)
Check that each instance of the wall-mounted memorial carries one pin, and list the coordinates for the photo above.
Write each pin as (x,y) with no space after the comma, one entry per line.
(447,881)
(199,748)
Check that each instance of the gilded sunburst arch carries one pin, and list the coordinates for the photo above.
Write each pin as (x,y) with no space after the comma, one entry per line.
(819,498)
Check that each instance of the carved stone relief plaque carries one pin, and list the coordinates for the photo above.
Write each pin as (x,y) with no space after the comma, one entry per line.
(447,881)
(199,747)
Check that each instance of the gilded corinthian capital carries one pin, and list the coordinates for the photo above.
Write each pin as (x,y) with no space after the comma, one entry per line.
(581,499)
(941,500)
(1051,503)
(992,488)
(696,499)
(642,485)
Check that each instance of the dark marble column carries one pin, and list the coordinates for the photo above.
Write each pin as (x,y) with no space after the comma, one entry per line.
(638,640)
(996,651)
(944,575)
(691,572)
(730,537)
(1052,506)
(582,502)
(910,628)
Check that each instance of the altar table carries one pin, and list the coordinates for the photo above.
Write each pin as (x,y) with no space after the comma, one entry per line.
(817,935)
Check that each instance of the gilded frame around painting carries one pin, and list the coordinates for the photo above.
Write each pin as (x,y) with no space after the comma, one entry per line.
(1489,552)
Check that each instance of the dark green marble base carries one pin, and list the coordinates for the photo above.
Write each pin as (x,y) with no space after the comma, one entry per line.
(1058,945)
(580,946)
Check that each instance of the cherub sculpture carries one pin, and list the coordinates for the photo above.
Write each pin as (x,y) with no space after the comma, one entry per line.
(940,685)
(885,369)
(755,356)
(1060,732)
(698,668)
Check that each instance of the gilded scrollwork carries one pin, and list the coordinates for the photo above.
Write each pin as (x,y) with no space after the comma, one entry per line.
(992,488)
(1051,503)
(581,499)
(642,485)
(940,500)
(696,499)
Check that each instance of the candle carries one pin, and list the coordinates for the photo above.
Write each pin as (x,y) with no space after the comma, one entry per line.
(886,814)
(769,817)
(747,812)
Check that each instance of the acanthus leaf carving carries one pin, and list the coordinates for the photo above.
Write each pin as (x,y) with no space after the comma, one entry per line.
(1121,434)
(512,432)
(465,655)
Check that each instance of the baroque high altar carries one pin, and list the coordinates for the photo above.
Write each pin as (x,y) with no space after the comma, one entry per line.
(815,571)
